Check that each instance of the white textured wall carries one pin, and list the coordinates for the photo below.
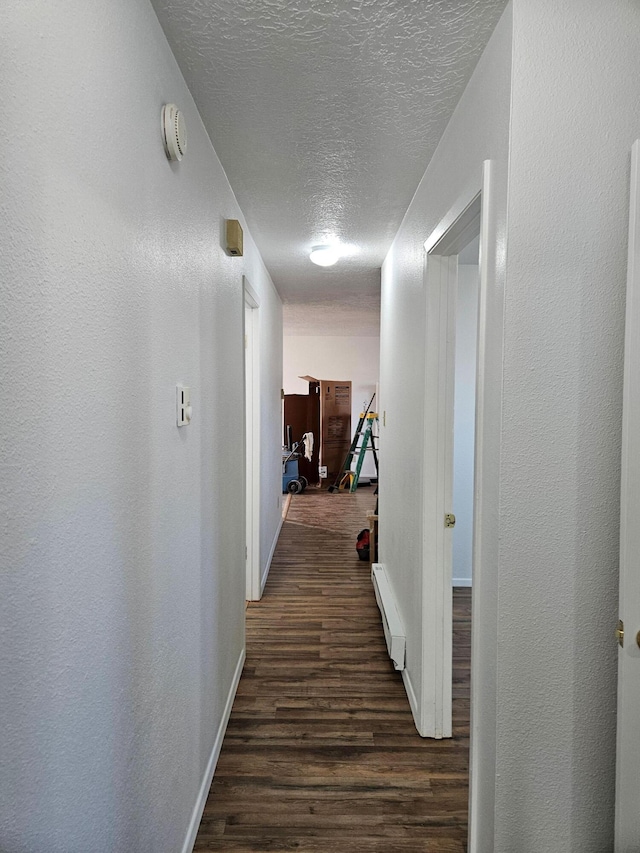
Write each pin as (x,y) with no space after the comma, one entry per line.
(464,421)
(335,357)
(479,129)
(122,541)
(576,113)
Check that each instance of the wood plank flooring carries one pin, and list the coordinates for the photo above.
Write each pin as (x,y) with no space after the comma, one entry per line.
(321,753)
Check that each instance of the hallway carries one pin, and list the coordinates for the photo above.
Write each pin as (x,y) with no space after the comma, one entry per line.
(321,753)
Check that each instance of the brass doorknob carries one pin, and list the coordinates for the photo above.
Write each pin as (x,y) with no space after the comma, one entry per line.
(638,639)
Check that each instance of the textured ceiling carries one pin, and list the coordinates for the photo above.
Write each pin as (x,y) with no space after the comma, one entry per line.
(325,114)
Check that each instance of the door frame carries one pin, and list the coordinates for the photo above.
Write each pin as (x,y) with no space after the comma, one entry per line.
(441,278)
(627,818)
(251,349)
(434,719)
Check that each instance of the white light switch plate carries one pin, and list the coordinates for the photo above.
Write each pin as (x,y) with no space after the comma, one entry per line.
(183,405)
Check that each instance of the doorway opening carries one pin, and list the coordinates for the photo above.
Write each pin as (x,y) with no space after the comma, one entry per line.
(462,375)
(464,409)
(452,296)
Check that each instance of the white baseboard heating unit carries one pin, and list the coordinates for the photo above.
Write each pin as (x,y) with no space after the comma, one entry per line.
(393,629)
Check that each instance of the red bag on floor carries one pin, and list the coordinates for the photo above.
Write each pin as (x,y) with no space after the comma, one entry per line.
(362,544)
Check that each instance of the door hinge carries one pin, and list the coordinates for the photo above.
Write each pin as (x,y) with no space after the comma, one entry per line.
(620,632)
(449,520)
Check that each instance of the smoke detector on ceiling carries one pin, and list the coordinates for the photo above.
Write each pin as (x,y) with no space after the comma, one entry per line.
(174,132)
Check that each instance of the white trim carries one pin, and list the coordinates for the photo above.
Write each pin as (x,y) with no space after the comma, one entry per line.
(462,582)
(484,609)
(456,229)
(265,574)
(627,819)
(287,502)
(411,696)
(250,295)
(203,793)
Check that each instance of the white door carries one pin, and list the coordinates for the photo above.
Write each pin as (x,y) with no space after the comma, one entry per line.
(628,750)
(252,434)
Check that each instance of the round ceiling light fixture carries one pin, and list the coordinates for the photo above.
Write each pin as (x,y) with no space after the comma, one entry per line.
(325,256)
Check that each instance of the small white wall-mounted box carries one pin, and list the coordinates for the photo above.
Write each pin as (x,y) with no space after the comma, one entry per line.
(174,132)
(183,405)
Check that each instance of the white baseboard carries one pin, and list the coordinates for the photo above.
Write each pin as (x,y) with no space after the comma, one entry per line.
(265,574)
(203,793)
(411,695)
(461,582)
(287,503)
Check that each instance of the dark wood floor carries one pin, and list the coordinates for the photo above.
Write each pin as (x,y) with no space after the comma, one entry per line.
(321,753)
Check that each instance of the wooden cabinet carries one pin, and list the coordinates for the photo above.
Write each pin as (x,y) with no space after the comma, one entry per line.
(326,412)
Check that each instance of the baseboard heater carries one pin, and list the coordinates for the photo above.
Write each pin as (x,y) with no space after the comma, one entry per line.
(393,629)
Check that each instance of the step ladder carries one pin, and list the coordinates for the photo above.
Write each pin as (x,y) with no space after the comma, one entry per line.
(364,439)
